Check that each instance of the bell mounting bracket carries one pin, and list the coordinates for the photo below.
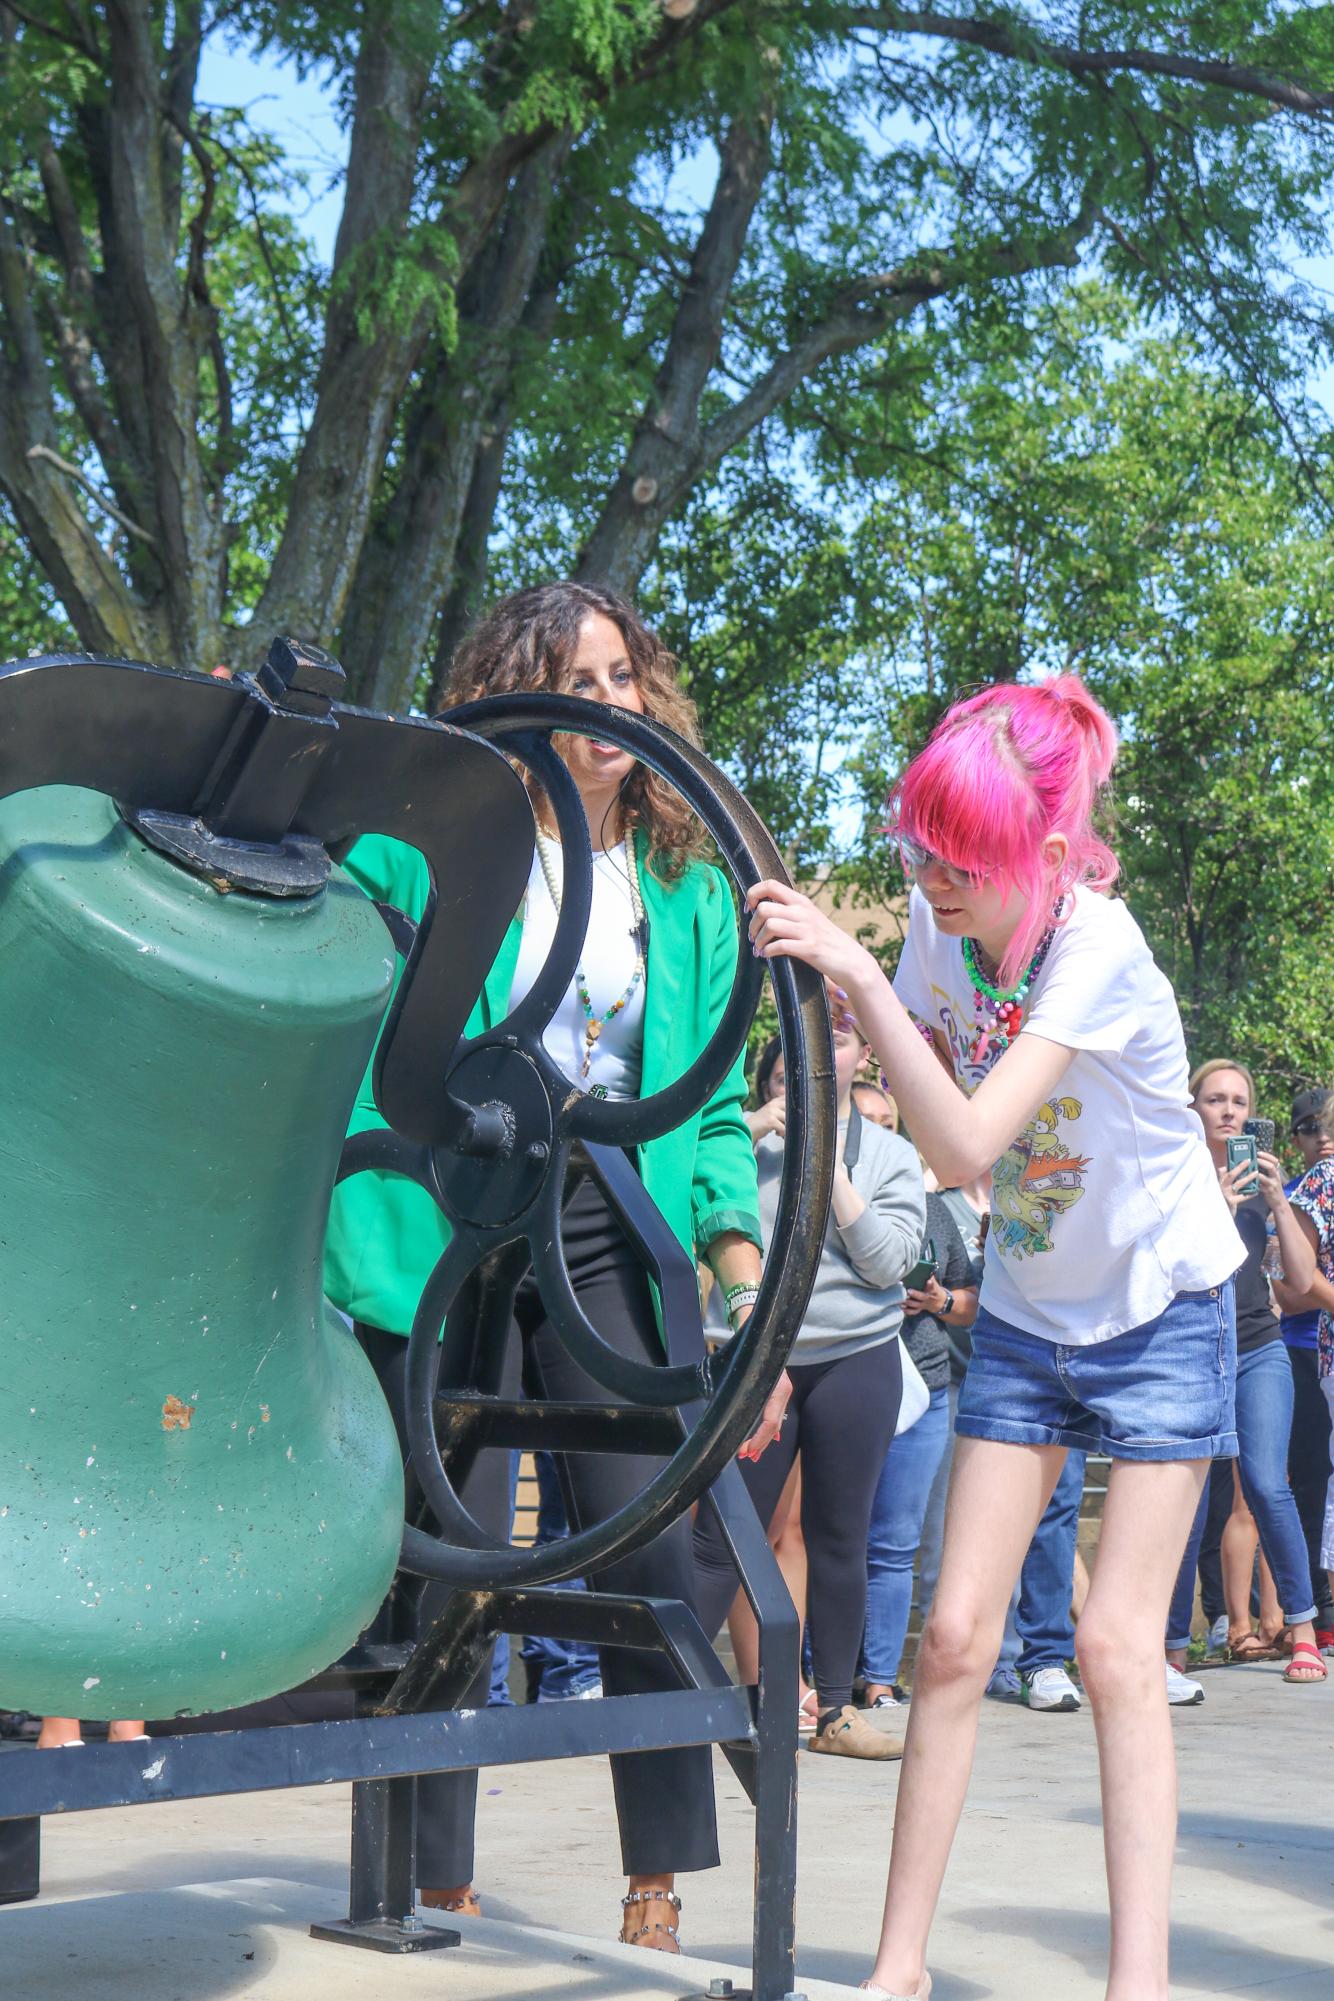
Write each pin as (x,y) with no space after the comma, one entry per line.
(258,783)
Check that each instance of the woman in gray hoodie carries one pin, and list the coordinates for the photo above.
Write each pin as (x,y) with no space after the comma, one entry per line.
(846,1384)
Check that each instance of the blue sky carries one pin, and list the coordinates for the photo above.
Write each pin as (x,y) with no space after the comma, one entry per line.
(298,112)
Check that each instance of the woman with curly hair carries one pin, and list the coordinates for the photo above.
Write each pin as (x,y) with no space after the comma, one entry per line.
(653,979)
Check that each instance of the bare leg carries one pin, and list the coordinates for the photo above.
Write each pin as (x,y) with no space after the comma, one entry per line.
(1241,1539)
(997,1496)
(59,1730)
(1271,1612)
(1150,1508)
(788,1541)
(741,1627)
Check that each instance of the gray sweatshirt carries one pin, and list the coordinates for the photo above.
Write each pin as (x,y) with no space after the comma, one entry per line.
(858,1296)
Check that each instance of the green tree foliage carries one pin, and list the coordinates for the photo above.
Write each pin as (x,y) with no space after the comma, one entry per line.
(592,254)
(1099,500)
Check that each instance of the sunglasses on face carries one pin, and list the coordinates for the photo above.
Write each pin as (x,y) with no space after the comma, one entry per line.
(918,859)
(1307,1129)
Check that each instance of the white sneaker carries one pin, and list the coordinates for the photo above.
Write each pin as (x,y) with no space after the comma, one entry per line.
(1181,1690)
(1218,1634)
(1050,1688)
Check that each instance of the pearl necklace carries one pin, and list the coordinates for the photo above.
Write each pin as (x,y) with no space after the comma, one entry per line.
(1000,1010)
(594,1023)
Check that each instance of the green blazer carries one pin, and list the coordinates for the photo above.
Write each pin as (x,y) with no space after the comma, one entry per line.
(385,1233)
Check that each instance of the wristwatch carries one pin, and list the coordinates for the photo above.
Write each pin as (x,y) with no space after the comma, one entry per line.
(948,1307)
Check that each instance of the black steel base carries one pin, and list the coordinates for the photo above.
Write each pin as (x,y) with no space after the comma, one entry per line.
(386,1935)
(20,1860)
(722,1989)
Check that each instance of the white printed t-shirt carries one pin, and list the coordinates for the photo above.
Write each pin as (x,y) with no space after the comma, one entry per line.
(1108,1205)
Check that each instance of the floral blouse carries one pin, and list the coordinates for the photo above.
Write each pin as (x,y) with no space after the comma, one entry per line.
(1315,1195)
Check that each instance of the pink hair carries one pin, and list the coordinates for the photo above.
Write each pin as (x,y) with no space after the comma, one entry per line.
(1003,772)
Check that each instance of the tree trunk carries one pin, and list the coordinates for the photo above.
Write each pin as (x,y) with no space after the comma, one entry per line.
(648,486)
(363,367)
(467,592)
(407,560)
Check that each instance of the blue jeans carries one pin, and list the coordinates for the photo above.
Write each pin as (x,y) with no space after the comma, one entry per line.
(1264,1425)
(897,1513)
(1183,1596)
(498,1696)
(568,1666)
(1041,1630)
(933,1525)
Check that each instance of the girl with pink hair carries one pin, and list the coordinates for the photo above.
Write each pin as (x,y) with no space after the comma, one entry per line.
(1054,1056)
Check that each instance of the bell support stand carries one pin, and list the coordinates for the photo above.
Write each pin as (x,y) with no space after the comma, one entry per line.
(251,785)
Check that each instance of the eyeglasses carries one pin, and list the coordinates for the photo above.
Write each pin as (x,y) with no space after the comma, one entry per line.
(1307,1129)
(919,858)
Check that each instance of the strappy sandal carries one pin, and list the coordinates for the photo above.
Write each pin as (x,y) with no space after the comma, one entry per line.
(469,1905)
(1309,1657)
(659,1937)
(1250,1647)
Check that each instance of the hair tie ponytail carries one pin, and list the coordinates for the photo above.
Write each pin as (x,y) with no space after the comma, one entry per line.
(1095,725)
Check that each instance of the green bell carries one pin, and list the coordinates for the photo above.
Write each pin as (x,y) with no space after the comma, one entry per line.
(201,1492)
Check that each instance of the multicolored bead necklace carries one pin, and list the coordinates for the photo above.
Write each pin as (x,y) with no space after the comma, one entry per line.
(594,1023)
(1000,1012)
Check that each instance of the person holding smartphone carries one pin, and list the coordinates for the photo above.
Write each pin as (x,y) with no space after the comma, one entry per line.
(1309,1445)
(846,1382)
(1313,1200)
(1223,1093)
(1106,1312)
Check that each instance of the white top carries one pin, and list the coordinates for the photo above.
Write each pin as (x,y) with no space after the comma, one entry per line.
(1107,1205)
(608,962)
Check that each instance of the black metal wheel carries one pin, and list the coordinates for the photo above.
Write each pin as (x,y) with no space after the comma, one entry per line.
(503,1199)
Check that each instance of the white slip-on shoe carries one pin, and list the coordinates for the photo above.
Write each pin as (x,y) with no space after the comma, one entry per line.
(1050,1688)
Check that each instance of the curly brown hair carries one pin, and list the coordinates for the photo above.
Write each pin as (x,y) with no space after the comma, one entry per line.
(526,645)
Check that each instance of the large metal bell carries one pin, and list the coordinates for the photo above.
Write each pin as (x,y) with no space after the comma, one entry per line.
(200,1487)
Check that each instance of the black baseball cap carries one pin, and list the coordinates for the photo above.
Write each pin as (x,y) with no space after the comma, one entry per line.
(1308,1105)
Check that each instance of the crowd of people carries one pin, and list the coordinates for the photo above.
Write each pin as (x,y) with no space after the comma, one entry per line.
(1060,1258)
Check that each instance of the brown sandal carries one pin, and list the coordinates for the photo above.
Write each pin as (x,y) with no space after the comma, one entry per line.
(1250,1647)
(653,1936)
(466,1905)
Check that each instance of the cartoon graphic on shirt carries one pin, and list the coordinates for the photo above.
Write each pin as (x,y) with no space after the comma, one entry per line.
(1036,1181)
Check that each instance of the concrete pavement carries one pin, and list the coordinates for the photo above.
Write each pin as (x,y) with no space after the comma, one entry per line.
(206,1901)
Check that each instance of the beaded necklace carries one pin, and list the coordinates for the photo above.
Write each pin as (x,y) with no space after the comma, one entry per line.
(594,1023)
(1000,1011)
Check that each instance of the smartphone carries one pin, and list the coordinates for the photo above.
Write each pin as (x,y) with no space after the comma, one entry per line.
(1245,1148)
(924,1269)
(1262,1132)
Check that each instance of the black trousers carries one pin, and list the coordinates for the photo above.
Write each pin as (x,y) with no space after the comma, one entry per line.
(841,1419)
(1308,1466)
(664,1799)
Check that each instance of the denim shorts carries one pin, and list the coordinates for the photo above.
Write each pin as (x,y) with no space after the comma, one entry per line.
(1166,1390)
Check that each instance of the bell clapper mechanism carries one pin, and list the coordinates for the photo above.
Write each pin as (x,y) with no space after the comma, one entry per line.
(201,1491)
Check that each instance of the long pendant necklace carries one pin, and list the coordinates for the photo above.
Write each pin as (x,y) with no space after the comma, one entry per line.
(594,1023)
(1000,1011)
